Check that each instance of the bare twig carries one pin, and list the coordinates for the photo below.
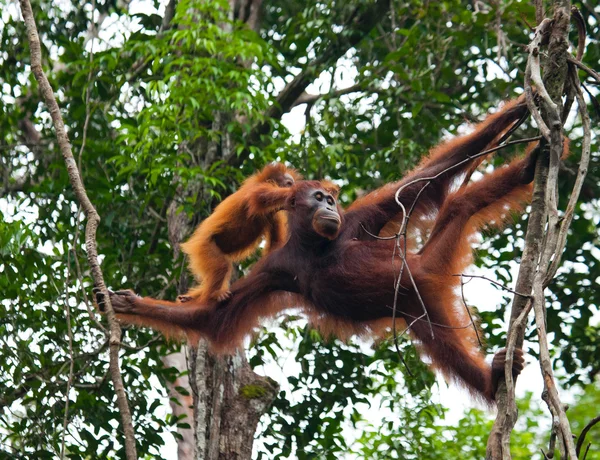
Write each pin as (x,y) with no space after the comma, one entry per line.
(92,224)
(581,173)
(584,433)
(152,341)
(493,282)
(553,435)
(404,264)
(566,110)
(581,31)
(502,141)
(433,323)
(395,336)
(581,35)
(592,73)
(587,449)
(593,99)
(462,294)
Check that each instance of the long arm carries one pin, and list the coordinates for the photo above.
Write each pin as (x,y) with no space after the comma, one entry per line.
(277,232)
(427,186)
(446,254)
(266,198)
(224,324)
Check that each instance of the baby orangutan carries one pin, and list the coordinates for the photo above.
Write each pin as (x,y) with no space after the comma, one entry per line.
(235,228)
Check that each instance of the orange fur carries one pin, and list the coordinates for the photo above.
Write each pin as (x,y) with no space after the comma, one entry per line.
(330,187)
(347,284)
(421,219)
(235,229)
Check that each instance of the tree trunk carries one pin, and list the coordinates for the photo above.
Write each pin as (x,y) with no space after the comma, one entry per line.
(229,399)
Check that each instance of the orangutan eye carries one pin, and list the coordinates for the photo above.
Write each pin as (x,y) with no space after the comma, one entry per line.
(330,201)
(319,196)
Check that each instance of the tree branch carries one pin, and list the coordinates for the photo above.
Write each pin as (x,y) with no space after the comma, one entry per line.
(592,73)
(584,432)
(581,173)
(168,17)
(541,247)
(92,222)
(359,25)
(306,98)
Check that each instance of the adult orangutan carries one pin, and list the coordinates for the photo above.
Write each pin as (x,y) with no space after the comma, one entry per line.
(336,267)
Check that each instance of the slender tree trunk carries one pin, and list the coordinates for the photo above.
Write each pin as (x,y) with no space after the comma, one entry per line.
(541,241)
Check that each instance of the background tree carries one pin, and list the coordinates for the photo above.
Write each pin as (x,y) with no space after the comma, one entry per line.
(169,105)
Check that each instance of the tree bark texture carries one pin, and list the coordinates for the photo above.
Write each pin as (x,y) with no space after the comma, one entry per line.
(229,399)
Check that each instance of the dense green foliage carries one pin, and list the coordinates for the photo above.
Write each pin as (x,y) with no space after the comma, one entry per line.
(187,106)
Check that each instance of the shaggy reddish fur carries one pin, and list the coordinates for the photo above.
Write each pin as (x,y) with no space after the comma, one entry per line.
(347,283)
(236,227)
